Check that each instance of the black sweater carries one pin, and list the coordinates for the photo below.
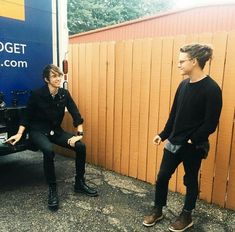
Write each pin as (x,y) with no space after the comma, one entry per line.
(195,112)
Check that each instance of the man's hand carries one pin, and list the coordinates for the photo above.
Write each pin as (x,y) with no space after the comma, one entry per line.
(157,140)
(14,139)
(73,140)
(190,141)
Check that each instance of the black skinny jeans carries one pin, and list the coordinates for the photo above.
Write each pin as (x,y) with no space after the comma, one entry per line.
(191,159)
(45,144)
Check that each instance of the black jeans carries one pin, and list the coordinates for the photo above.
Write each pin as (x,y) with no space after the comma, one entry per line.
(191,159)
(45,142)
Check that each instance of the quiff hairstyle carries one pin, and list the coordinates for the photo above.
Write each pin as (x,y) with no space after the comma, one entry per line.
(201,52)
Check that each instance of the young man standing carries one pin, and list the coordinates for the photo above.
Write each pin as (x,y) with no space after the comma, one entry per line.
(194,116)
(45,113)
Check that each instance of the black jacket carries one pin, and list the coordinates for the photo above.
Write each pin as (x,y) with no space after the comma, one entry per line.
(45,113)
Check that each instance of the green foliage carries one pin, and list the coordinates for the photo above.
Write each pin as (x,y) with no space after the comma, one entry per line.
(85,15)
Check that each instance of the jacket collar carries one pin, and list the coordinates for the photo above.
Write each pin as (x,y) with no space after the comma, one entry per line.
(46,92)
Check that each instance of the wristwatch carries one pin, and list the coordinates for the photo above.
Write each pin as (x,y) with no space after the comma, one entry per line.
(80,133)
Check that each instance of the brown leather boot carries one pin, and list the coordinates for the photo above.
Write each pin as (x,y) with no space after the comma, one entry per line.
(154,216)
(182,222)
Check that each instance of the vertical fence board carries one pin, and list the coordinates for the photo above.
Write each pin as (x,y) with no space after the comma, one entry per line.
(102,104)
(135,106)
(87,95)
(231,183)
(225,127)
(154,108)
(118,105)
(126,116)
(95,102)
(110,105)
(144,108)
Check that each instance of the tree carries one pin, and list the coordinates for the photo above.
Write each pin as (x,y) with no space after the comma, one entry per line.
(92,14)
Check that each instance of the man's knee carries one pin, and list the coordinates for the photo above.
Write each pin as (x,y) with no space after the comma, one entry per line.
(80,147)
(191,182)
(48,151)
(163,177)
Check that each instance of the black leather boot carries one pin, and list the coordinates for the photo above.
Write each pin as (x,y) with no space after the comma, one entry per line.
(53,200)
(81,187)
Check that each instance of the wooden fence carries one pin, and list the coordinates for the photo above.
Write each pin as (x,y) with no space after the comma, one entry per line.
(124,91)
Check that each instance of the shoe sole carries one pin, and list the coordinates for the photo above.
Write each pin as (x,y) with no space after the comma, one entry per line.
(187,227)
(53,207)
(152,224)
(90,195)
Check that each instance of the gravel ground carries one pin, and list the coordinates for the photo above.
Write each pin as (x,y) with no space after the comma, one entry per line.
(121,205)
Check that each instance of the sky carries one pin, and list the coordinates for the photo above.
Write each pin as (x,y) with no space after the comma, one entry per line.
(179,4)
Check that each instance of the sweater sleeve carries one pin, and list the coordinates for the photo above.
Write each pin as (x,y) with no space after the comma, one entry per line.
(30,109)
(212,114)
(170,122)
(73,110)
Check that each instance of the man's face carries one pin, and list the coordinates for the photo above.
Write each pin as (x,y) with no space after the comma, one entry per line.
(185,64)
(54,79)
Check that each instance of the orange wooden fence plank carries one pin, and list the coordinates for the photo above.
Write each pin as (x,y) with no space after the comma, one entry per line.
(87,86)
(144,108)
(126,115)
(110,105)
(231,183)
(135,106)
(95,102)
(118,106)
(225,126)
(102,103)
(154,108)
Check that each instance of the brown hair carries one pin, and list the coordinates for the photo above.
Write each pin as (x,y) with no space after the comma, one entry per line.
(48,69)
(201,52)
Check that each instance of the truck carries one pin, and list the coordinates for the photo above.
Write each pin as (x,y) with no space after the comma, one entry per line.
(32,34)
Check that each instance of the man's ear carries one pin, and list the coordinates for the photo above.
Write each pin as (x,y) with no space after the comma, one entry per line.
(195,61)
(46,80)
